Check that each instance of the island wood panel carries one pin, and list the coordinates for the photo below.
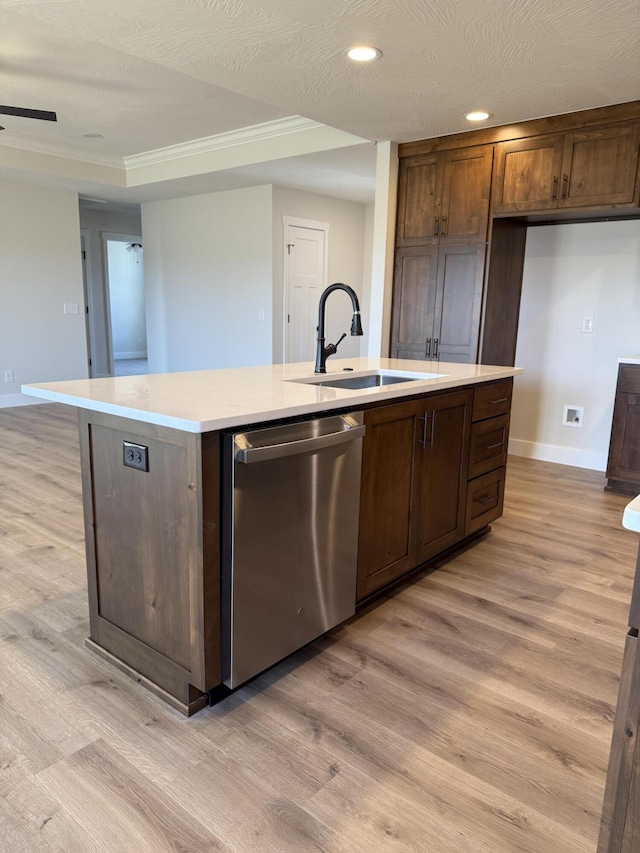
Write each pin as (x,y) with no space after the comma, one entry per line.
(623,465)
(501,697)
(152,555)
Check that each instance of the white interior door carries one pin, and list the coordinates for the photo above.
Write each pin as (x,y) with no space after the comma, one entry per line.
(305,269)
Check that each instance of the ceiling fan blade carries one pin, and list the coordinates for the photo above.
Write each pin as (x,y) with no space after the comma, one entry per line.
(44,115)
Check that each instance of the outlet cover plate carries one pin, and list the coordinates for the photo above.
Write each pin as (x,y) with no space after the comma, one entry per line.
(135,455)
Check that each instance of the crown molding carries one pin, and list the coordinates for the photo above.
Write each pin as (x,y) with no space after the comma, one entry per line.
(11,140)
(242,136)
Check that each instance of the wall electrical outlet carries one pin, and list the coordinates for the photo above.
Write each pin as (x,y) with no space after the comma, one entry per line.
(135,455)
(261,314)
(8,376)
(587,324)
(573,416)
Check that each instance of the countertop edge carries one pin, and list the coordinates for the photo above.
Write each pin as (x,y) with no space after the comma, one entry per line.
(343,400)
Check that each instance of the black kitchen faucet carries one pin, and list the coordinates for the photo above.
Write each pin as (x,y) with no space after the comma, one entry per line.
(323,352)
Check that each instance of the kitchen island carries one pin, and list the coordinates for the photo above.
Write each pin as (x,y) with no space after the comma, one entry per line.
(433,465)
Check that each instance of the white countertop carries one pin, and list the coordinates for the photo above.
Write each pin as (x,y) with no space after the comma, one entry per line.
(206,400)
(631,515)
(629,361)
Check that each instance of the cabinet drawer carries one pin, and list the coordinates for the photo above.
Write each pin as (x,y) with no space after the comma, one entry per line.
(629,378)
(485,498)
(492,399)
(488,449)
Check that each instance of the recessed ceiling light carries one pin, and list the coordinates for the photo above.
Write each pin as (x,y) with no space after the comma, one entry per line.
(93,136)
(478,115)
(362,53)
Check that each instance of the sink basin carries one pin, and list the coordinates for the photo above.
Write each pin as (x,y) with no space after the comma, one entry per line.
(375,379)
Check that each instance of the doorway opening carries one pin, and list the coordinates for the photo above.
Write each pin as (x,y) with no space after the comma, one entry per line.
(123,255)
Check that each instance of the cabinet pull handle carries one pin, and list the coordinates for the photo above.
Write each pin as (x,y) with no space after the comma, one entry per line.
(435,226)
(423,441)
(486,500)
(501,400)
(565,184)
(492,446)
(435,347)
(427,440)
(428,347)
(443,230)
(554,194)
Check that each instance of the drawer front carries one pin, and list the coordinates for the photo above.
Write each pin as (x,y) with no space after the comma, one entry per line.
(629,378)
(492,399)
(485,498)
(489,440)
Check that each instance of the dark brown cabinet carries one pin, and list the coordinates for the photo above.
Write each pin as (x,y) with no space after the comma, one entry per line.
(595,167)
(581,166)
(444,198)
(623,466)
(414,472)
(437,302)
(488,454)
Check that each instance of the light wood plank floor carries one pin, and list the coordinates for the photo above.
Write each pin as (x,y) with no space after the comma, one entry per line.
(471,712)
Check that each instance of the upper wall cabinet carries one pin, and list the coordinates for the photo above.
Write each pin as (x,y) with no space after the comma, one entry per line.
(587,168)
(444,197)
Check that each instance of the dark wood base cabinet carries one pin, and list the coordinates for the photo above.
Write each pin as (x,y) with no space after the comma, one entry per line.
(153,533)
(433,474)
(623,466)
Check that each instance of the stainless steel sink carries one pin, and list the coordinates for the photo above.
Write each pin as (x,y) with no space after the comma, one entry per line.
(375,379)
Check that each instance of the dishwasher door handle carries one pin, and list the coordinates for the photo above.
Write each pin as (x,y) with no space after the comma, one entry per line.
(291,448)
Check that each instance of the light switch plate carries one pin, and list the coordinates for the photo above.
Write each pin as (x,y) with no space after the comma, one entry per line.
(71,308)
(587,325)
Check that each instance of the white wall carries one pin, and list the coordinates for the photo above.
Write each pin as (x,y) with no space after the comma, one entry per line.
(126,299)
(574,271)
(40,270)
(346,248)
(208,274)
(95,222)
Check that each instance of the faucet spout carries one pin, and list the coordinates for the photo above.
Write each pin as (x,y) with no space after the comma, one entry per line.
(323,352)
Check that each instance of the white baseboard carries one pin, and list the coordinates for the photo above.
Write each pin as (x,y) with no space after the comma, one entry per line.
(562,455)
(118,356)
(10,401)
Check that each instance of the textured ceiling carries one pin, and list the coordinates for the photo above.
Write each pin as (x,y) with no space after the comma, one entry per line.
(151,73)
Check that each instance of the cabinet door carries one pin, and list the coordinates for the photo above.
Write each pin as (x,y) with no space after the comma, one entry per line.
(384,547)
(419,190)
(527,174)
(442,445)
(414,296)
(599,166)
(458,303)
(466,185)
(624,450)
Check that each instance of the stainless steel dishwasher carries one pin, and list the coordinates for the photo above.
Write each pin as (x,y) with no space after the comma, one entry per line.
(290,533)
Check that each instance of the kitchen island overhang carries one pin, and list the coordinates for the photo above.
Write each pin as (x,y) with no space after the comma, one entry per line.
(153,536)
